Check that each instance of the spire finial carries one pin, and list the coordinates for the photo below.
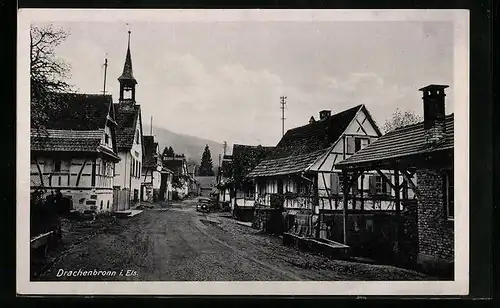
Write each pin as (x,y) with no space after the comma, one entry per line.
(129,38)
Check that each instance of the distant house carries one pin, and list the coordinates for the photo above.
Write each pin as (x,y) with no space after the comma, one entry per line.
(224,178)
(129,136)
(206,185)
(299,178)
(151,170)
(424,149)
(166,189)
(233,184)
(181,179)
(78,152)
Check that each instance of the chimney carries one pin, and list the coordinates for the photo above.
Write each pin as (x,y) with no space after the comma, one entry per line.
(434,125)
(312,120)
(323,114)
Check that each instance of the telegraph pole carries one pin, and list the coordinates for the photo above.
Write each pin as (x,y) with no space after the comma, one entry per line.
(283,103)
(105,71)
(151,128)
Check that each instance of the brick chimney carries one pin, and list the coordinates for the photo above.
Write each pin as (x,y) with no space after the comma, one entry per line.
(434,113)
(323,114)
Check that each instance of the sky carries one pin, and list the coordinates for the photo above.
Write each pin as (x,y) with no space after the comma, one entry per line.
(223,80)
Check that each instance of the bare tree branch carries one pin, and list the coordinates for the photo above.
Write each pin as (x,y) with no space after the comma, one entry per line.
(48,73)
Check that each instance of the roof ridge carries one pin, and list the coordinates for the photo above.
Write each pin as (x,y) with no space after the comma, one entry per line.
(331,116)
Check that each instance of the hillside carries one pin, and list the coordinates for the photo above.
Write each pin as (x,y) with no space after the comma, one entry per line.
(190,146)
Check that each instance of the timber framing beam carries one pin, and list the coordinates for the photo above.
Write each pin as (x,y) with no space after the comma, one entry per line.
(407,176)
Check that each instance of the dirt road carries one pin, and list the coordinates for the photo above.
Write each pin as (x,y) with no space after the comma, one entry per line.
(180,244)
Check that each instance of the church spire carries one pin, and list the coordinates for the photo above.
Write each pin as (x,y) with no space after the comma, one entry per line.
(127,73)
(127,80)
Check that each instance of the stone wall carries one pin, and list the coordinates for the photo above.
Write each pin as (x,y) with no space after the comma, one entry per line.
(435,230)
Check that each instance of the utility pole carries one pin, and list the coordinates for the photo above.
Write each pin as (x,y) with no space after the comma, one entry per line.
(151,128)
(283,103)
(105,71)
(225,147)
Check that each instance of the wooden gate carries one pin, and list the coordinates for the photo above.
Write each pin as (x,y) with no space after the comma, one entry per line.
(121,199)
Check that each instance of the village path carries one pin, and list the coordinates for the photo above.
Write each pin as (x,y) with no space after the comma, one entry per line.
(180,244)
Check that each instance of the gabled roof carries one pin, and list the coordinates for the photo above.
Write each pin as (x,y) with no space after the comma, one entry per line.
(302,146)
(176,165)
(79,111)
(127,116)
(84,141)
(405,141)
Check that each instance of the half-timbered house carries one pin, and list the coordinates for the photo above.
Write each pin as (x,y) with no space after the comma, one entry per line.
(181,179)
(299,177)
(77,152)
(151,170)
(425,149)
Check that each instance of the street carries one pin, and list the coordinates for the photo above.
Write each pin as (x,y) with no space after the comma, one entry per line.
(177,243)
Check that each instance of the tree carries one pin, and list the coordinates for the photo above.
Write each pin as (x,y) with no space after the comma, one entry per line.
(400,119)
(244,162)
(168,152)
(206,167)
(48,74)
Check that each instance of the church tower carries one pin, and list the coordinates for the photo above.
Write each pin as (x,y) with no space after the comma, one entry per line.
(127,80)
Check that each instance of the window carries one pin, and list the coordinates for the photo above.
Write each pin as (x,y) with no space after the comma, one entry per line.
(380,185)
(334,183)
(57,165)
(364,143)
(250,192)
(357,144)
(136,137)
(106,138)
(450,194)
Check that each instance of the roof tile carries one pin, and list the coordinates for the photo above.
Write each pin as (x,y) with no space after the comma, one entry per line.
(404,141)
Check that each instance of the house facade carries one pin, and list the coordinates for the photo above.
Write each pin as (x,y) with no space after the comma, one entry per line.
(151,170)
(425,149)
(224,178)
(166,189)
(129,137)
(181,179)
(77,153)
(300,180)
(207,185)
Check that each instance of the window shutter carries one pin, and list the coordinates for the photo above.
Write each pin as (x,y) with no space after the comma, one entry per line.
(334,183)
(372,181)
(388,187)
(350,145)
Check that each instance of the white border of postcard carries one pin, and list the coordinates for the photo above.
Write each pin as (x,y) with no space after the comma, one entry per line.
(460,286)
